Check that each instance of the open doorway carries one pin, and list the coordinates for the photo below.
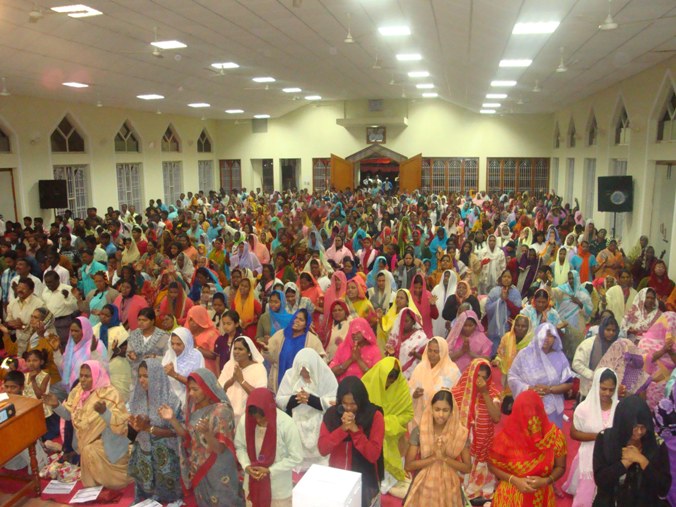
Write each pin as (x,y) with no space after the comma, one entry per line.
(376,163)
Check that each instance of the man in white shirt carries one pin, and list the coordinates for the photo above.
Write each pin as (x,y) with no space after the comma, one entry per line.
(20,310)
(60,301)
(23,270)
(53,259)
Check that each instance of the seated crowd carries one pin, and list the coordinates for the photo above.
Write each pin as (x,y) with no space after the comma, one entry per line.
(217,346)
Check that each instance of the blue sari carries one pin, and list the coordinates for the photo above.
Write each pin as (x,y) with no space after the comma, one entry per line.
(292,345)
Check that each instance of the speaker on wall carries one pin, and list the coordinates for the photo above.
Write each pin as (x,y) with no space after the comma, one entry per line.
(616,193)
(53,194)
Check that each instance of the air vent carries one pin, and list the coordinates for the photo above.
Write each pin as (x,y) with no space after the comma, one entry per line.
(259,126)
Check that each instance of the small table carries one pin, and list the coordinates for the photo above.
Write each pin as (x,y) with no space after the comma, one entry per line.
(18,433)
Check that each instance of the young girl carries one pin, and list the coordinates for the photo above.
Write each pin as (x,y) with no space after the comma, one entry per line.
(36,384)
(230,329)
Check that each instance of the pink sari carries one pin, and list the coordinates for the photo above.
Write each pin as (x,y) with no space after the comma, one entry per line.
(370,353)
(652,341)
(423,304)
(478,343)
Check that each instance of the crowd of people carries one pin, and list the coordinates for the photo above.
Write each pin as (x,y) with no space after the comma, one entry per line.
(221,345)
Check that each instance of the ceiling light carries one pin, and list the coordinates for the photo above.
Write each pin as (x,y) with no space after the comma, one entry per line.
(430,95)
(4,92)
(562,65)
(75,84)
(418,73)
(490,105)
(234,111)
(424,86)
(313,97)
(609,22)
(199,104)
(390,31)
(499,83)
(168,44)
(536,88)
(291,90)
(261,116)
(516,63)
(409,57)
(487,111)
(77,11)
(150,96)
(496,95)
(265,79)
(225,65)
(535,28)
(348,37)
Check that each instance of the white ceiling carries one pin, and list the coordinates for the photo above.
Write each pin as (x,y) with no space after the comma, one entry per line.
(461,41)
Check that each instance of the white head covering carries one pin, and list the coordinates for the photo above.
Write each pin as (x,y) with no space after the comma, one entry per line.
(442,292)
(190,360)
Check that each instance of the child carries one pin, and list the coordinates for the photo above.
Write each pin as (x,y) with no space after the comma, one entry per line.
(36,385)
(229,326)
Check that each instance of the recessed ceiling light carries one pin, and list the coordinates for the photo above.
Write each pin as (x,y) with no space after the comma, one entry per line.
(234,111)
(77,11)
(266,79)
(261,116)
(516,63)
(225,65)
(168,44)
(487,111)
(418,73)
(499,83)
(150,96)
(199,104)
(394,30)
(424,86)
(535,28)
(430,95)
(409,57)
(490,105)
(496,95)
(75,84)
(291,90)
(313,97)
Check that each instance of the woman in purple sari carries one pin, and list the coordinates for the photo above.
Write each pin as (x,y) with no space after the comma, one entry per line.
(528,268)
(542,367)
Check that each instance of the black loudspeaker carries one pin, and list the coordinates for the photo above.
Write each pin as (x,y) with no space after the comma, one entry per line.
(53,194)
(616,193)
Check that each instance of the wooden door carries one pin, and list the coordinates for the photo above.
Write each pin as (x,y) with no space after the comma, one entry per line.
(410,174)
(342,173)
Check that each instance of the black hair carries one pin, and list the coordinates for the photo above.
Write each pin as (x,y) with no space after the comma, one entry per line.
(255,411)
(16,377)
(233,315)
(148,313)
(41,355)
(28,283)
(443,395)
(608,374)
(220,296)
(486,369)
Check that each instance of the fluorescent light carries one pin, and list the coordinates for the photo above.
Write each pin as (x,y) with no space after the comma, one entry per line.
(418,73)
(394,30)
(225,65)
(261,116)
(499,83)
(487,111)
(291,90)
(199,104)
(313,97)
(266,79)
(516,63)
(77,11)
(424,86)
(496,95)
(168,44)
(490,105)
(535,28)
(430,95)
(150,96)
(234,111)
(409,57)
(75,84)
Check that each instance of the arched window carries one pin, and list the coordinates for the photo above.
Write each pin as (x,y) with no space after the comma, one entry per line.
(170,141)
(666,125)
(622,127)
(66,138)
(571,134)
(5,146)
(204,143)
(126,140)
(592,132)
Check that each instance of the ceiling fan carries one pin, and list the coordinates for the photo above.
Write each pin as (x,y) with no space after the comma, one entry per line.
(348,38)
(4,92)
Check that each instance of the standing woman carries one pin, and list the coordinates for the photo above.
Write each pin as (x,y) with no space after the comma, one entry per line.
(590,352)
(205,334)
(180,360)
(574,306)
(97,298)
(357,353)
(268,449)
(425,302)
(246,306)
(592,416)
(478,405)
(176,303)
(338,324)
(443,290)
(307,391)
(352,436)
(463,294)
(438,452)
(146,342)
(511,344)
(275,318)
(109,329)
(403,299)
(467,340)
(154,463)
(620,297)
(388,389)
(130,305)
(243,373)
(528,456)
(503,305)
(407,341)
(630,467)
(208,462)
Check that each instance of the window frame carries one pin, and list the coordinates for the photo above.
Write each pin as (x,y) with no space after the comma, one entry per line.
(77,187)
(130,192)
(495,174)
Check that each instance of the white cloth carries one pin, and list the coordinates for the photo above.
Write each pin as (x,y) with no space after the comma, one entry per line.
(22,310)
(64,274)
(190,360)
(57,303)
(39,287)
(442,292)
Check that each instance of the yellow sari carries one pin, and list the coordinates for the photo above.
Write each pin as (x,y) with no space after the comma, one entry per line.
(390,317)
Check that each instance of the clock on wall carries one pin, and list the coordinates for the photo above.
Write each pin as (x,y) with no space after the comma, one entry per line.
(375,135)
